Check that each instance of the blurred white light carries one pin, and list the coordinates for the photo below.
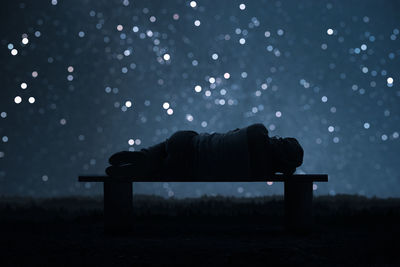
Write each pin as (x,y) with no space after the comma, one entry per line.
(120,27)
(3,114)
(366,125)
(270,183)
(70,69)
(131,142)
(24,86)
(170,111)
(329,31)
(214,56)
(5,139)
(167,57)
(34,74)
(14,52)
(278,114)
(197,23)
(166,105)
(17,99)
(31,100)
(128,104)
(242,6)
(193,4)
(331,129)
(189,117)
(363,47)
(272,127)
(227,75)
(197,88)
(242,41)
(63,121)
(389,80)
(25,41)
(324,99)
(211,80)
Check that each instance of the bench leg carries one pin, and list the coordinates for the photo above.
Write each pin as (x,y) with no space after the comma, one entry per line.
(298,206)
(118,208)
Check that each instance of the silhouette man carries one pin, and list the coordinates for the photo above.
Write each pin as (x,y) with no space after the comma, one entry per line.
(246,152)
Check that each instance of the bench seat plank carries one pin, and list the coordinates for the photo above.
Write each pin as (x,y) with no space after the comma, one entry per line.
(273,178)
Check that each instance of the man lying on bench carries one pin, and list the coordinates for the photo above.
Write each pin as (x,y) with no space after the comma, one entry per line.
(246,152)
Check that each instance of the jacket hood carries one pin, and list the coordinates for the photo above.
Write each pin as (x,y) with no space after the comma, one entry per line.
(288,152)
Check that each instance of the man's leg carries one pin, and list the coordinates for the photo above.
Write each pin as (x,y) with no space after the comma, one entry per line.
(146,162)
(180,155)
(155,152)
(173,157)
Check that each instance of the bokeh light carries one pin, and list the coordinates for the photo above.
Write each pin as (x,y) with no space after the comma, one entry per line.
(81,82)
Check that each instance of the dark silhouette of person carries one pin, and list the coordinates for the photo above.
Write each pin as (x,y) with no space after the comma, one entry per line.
(245,152)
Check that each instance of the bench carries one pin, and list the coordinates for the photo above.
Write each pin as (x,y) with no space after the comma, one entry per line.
(298,195)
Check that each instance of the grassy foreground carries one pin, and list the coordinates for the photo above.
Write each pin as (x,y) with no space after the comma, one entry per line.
(348,230)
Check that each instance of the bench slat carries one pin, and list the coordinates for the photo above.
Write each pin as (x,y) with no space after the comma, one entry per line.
(273,178)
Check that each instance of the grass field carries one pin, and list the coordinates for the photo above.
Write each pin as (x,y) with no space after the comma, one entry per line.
(348,230)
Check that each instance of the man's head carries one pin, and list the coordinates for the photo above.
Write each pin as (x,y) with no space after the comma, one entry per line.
(288,154)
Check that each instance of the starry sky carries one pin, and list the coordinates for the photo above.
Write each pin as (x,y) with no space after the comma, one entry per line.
(81,80)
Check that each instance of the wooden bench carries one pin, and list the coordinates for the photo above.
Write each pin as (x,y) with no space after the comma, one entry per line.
(298,195)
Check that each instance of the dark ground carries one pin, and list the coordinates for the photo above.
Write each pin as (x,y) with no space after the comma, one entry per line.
(208,231)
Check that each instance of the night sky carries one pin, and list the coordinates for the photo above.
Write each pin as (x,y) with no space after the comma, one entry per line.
(81,80)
